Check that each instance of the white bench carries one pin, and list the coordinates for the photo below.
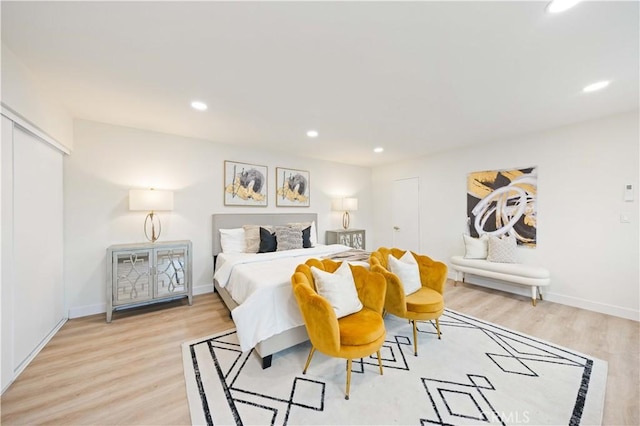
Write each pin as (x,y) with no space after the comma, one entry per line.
(516,273)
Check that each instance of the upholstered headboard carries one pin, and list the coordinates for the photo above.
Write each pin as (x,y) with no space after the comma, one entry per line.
(235,220)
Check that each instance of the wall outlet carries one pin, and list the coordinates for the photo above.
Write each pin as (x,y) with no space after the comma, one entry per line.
(624,218)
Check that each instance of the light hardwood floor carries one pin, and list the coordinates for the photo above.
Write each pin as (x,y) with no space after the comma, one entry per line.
(130,371)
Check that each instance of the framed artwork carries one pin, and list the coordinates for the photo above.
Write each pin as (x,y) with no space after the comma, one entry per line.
(245,184)
(292,188)
(504,202)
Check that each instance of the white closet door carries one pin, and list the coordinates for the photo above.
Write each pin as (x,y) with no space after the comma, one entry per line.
(38,288)
(6,288)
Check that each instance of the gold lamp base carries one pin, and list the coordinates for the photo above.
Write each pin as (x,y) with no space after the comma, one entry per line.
(345,220)
(151,219)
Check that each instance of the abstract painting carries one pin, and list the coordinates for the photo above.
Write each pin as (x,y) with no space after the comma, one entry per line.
(503,202)
(292,188)
(244,184)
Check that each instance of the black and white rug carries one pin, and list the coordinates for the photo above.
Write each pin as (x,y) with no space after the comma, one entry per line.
(479,373)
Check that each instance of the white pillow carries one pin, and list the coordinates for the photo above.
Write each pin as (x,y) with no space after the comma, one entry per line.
(475,248)
(406,268)
(339,289)
(314,234)
(232,240)
(502,250)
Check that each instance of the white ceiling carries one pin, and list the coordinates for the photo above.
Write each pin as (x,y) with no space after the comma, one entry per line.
(412,77)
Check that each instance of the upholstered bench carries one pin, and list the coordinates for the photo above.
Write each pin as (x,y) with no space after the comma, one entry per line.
(516,273)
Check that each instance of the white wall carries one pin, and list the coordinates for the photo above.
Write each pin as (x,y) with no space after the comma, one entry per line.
(109,160)
(582,169)
(24,96)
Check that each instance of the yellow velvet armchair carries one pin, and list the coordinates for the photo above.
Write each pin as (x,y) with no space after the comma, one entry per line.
(353,336)
(425,304)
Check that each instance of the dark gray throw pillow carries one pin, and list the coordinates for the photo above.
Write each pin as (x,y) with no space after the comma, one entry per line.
(268,241)
(306,237)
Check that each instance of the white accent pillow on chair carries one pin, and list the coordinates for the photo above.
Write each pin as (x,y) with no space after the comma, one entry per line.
(406,268)
(339,289)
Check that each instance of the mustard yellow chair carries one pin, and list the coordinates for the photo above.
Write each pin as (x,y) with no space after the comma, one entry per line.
(425,304)
(353,336)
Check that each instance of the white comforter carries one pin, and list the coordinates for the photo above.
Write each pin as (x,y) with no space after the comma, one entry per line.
(261,285)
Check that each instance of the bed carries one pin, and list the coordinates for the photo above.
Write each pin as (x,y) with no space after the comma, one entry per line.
(267,318)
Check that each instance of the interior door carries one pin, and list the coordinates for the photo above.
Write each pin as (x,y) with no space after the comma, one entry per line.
(406,214)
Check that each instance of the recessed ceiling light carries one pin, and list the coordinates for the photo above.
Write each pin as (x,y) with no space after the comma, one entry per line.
(378,149)
(200,106)
(557,6)
(596,86)
(312,133)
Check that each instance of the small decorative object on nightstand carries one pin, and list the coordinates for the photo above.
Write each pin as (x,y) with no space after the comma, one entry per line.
(140,274)
(354,238)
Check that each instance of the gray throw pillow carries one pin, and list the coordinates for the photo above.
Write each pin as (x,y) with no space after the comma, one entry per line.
(289,238)
(502,250)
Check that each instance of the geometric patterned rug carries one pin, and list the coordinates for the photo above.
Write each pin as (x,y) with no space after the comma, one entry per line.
(478,373)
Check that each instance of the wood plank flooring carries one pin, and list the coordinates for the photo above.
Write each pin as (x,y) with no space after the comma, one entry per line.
(129,372)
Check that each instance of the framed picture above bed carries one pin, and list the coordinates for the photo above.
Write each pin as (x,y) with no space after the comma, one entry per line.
(292,188)
(245,184)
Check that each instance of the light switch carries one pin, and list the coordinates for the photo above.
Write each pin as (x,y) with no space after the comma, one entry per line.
(628,192)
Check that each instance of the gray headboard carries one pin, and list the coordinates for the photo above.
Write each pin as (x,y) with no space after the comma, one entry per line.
(235,220)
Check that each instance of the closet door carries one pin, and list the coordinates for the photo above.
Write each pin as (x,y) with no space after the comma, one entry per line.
(6,287)
(38,224)
(32,244)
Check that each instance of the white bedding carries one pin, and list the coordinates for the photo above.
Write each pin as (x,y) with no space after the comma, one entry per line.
(261,285)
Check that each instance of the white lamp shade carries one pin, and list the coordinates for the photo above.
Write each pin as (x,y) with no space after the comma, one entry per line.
(350,204)
(150,200)
(344,204)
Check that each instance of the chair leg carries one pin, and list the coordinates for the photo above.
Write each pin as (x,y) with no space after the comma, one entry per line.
(415,338)
(438,327)
(308,360)
(348,378)
(379,361)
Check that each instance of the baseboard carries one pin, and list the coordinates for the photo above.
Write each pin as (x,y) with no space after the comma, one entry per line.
(85,311)
(101,308)
(603,308)
(203,289)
